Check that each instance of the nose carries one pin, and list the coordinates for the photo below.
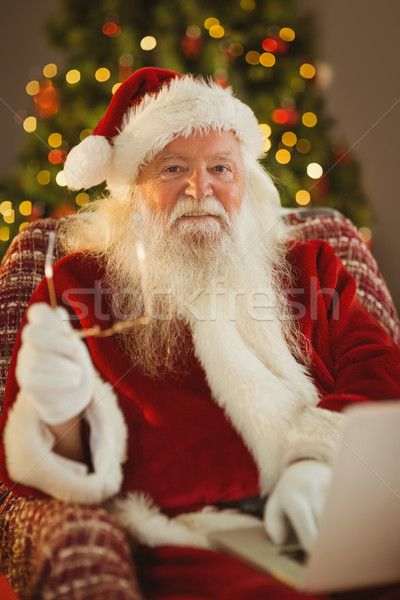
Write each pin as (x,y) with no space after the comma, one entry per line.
(199,184)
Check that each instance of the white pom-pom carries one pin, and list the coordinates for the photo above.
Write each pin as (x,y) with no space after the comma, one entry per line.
(88,163)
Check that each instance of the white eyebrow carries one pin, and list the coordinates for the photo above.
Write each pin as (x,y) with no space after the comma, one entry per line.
(175,156)
(172,156)
(222,155)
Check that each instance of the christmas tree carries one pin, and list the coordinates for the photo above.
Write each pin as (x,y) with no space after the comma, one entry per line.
(260,47)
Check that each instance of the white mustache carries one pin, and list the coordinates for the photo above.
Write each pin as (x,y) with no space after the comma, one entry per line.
(186,207)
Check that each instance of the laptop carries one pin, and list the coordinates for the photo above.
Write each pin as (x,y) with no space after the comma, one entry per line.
(358,542)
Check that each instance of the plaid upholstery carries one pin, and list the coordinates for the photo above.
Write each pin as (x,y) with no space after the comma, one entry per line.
(57,551)
(42,542)
(21,271)
(348,245)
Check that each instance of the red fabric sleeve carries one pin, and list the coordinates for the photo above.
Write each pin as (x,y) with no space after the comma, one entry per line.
(41,294)
(354,359)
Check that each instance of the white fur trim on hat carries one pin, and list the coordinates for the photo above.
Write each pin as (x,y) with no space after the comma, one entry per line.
(180,107)
(88,163)
(34,463)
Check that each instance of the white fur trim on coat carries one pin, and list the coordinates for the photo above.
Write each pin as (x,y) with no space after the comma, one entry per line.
(274,414)
(144,521)
(31,460)
(316,434)
(182,106)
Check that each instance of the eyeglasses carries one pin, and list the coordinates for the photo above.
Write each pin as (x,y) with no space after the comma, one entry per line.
(95,331)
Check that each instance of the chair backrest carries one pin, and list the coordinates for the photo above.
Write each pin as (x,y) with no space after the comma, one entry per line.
(23,268)
(332,227)
(21,271)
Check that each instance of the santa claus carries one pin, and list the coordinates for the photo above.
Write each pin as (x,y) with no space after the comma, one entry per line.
(230,384)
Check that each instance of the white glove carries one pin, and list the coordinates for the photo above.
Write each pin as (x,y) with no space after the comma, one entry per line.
(297,502)
(54,366)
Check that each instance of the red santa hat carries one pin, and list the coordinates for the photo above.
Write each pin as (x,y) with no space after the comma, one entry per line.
(150,109)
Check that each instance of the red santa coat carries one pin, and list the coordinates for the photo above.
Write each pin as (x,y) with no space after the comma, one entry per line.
(181,449)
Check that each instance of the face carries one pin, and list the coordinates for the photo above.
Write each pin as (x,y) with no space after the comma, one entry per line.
(195,169)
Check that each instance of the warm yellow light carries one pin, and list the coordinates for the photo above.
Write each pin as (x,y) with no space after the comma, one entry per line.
(29,124)
(73,76)
(32,87)
(287,34)
(85,133)
(25,208)
(82,199)
(236,49)
(5,206)
(216,31)
(366,234)
(307,71)
(210,22)
(265,130)
(289,138)
(314,170)
(303,146)
(149,42)
(50,70)
(303,197)
(9,216)
(4,234)
(24,224)
(283,156)
(54,140)
(102,74)
(309,119)
(247,4)
(43,177)
(253,57)
(267,59)
(267,145)
(60,179)
(115,87)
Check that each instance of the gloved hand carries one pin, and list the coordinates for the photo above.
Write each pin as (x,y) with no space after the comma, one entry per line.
(297,502)
(53,365)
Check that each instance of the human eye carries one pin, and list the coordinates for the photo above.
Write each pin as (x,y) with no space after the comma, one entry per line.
(170,171)
(222,170)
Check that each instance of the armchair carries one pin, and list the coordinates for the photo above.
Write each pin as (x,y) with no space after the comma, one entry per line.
(26,524)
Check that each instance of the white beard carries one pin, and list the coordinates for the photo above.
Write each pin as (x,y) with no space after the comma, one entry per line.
(214,272)
(194,270)
(204,279)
